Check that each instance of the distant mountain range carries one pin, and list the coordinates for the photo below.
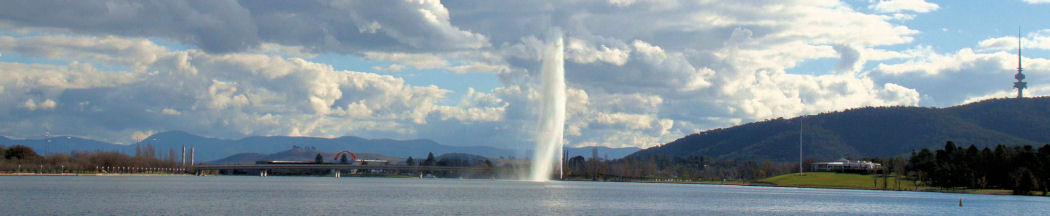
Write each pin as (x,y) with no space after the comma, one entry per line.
(210,149)
(603,152)
(872,132)
(297,154)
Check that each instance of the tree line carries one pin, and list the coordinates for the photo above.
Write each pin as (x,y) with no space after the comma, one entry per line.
(1022,169)
(657,166)
(20,158)
(1019,168)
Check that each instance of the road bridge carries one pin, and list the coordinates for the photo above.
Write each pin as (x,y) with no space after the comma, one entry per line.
(336,169)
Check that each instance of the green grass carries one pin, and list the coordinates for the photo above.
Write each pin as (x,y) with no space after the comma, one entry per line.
(836,180)
(860,181)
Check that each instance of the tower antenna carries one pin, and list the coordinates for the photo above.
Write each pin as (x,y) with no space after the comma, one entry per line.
(1020,84)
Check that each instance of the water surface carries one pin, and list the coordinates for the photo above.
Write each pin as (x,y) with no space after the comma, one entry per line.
(245,195)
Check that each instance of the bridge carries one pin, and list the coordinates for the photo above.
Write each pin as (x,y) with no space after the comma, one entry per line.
(336,169)
(264,168)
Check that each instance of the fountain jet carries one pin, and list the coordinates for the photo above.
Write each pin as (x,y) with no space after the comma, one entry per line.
(552,112)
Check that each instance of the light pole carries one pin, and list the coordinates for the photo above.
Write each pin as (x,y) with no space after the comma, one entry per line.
(47,143)
(801,126)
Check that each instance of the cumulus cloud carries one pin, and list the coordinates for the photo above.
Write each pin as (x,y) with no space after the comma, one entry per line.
(225,95)
(1035,40)
(231,26)
(580,52)
(946,79)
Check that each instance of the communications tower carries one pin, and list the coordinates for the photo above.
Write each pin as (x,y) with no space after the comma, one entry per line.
(1020,85)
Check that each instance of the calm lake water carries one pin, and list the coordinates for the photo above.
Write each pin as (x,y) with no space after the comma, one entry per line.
(245,195)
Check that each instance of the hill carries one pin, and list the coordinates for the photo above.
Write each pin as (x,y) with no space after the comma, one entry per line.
(872,132)
(297,154)
(603,152)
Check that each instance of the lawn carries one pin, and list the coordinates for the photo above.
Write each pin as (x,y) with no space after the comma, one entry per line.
(836,180)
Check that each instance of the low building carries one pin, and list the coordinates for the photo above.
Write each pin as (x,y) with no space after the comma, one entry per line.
(844,165)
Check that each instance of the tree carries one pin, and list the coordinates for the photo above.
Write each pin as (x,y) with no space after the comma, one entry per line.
(21,152)
(319,158)
(430,159)
(1024,181)
(1044,169)
(410,162)
(343,159)
(923,164)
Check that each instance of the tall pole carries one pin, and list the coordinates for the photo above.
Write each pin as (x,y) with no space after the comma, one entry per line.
(800,127)
(47,144)
(191,155)
(183,162)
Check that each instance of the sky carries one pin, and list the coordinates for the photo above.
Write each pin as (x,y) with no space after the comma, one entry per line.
(639,73)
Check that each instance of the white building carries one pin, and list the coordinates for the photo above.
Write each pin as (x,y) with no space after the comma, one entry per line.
(843,165)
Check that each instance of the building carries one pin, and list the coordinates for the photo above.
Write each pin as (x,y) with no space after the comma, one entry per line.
(844,165)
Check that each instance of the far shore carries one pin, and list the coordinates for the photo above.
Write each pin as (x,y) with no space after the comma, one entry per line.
(91,174)
(671,181)
(768,184)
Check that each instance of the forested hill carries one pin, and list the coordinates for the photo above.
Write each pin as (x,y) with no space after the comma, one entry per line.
(872,132)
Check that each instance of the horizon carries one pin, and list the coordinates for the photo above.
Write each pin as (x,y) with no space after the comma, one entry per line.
(638,74)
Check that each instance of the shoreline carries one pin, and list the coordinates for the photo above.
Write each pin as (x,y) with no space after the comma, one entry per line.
(733,183)
(766,184)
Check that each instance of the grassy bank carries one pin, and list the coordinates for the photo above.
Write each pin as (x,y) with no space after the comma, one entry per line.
(861,181)
(838,180)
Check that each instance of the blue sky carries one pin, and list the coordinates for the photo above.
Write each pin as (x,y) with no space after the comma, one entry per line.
(639,73)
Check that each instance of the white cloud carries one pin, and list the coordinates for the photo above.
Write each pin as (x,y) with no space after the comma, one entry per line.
(29,104)
(894,6)
(1039,40)
(631,121)
(390,68)
(138,136)
(953,78)
(416,60)
(226,95)
(580,51)
(169,111)
(1037,1)
(47,104)
(479,68)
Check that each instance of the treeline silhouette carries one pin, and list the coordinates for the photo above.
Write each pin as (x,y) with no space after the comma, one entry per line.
(20,158)
(691,168)
(1019,168)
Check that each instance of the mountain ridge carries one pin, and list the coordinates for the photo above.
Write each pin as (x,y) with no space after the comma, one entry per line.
(871,132)
(212,149)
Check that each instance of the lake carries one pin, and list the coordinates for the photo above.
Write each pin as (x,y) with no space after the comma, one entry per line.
(250,195)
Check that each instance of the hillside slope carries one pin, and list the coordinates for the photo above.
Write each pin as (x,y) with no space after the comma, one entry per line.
(872,132)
